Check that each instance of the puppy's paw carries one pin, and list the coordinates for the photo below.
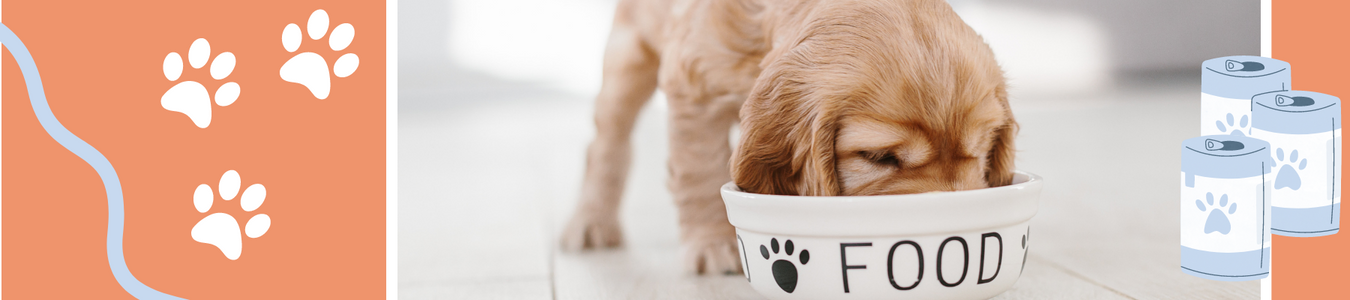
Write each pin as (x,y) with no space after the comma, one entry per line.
(588,230)
(712,252)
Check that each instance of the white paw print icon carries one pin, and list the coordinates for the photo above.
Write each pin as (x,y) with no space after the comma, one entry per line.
(310,69)
(191,97)
(221,229)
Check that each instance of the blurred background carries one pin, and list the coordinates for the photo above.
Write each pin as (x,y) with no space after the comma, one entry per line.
(1046,46)
(495,113)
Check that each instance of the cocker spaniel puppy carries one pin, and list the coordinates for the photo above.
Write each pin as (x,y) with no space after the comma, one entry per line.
(833,97)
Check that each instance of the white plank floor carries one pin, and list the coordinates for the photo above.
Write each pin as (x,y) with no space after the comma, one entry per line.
(489,171)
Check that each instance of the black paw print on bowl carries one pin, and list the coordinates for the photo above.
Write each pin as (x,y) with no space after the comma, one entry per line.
(784,271)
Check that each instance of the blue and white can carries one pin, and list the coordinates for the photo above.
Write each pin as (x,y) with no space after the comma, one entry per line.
(1225,208)
(1227,85)
(1304,129)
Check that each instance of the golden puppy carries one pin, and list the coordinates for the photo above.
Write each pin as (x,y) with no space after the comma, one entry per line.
(835,97)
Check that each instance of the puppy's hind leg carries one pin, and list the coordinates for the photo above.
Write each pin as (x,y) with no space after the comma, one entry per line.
(629,80)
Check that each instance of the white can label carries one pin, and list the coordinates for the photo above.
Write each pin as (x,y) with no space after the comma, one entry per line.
(1307,168)
(1223,116)
(1225,215)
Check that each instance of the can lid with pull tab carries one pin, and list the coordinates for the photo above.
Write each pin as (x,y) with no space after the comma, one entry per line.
(1296,112)
(1241,76)
(1225,156)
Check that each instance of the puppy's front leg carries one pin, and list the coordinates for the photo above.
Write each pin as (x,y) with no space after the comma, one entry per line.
(629,81)
(699,154)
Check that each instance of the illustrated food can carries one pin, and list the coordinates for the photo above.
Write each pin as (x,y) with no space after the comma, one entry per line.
(1304,131)
(1227,85)
(1225,208)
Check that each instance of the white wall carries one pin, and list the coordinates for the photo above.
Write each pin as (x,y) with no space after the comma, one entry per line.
(424,27)
(1166,35)
(1045,45)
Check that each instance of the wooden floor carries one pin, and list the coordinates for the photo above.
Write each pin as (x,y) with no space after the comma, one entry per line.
(490,170)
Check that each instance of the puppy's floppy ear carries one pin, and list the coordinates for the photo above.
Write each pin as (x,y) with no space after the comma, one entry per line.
(787,139)
(1000,171)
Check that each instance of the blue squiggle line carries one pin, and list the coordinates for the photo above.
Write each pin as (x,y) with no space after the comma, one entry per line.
(91,156)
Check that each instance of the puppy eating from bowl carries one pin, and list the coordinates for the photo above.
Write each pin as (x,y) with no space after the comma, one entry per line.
(833,98)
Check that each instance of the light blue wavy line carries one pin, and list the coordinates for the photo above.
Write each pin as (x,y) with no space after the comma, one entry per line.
(91,156)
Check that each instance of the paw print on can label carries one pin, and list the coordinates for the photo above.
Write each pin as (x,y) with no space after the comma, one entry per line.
(1217,220)
(311,69)
(190,97)
(784,271)
(1238,128)
(221,229)
(1288,175)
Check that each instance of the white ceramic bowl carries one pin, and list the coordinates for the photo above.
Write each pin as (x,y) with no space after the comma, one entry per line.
(950,245)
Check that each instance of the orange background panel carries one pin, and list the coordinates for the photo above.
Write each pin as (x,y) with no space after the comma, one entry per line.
(322,161)
(1310,35)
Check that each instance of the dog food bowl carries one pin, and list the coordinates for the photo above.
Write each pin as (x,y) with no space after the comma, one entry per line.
(950,245)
